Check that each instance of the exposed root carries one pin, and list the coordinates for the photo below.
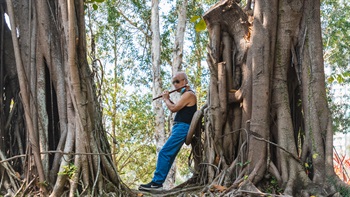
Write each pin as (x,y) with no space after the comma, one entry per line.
(274,171)
(9,178)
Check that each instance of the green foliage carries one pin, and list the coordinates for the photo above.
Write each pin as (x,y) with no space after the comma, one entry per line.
(344,191)
(123,77)
(199,23)
(133,130)
(45,183)
(121,60)
(273,187)
(270,185)
(336,32)
(93,2)
(200,26)
(68,170)
(182,164)
(336,37)
(340,115)
(194,19)
(243,164)
(339,78)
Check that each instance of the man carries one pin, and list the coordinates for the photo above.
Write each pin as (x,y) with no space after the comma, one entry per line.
(185,109)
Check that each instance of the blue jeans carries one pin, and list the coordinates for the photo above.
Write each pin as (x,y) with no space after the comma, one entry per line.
(169,151)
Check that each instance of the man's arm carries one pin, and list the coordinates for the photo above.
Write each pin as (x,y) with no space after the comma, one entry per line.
(188,98)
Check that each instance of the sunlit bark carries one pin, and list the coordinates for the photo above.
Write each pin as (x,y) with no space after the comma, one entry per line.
(157,80)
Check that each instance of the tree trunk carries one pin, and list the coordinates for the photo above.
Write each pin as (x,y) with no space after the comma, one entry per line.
(157,80)
(266,119)
(278,107)
(176,67)
(179,38)
(62,119)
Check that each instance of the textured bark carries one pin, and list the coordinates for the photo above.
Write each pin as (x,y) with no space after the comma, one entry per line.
(51,99)
(265,119)
(179,38)
(276,120)
(177,66)
(25,97)
(158,109)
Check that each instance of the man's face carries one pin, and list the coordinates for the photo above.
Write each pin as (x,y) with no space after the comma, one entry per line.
(178,81)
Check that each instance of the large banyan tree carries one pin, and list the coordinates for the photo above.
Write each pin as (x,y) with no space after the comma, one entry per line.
(52,140)
(267,119)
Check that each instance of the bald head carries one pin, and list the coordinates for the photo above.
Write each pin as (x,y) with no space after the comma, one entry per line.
(181,76)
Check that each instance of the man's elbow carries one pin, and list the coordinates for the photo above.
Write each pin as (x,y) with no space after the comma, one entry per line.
(173,111)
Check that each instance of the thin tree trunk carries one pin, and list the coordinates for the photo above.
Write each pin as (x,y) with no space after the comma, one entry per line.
(157,81)
(179,38)
(177,66)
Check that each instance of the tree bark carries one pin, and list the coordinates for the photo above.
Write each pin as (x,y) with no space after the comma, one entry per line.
(157,80)
(67,143)
(277,54)
(25,94)
(180,35)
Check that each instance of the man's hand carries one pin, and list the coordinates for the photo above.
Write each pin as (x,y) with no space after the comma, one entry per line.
(165,95)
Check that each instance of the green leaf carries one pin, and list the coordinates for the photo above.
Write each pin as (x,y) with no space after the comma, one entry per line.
(340,79)
(330,79)
(315,155)
(200,26)
(194,19)
(346,74)
(246,163)
(273,181)
(100,1)
(95,6)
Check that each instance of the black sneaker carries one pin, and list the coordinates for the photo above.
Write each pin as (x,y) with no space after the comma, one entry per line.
(150,186)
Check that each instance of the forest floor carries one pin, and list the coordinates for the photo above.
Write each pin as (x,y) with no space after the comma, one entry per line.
(247,189)
(190,191)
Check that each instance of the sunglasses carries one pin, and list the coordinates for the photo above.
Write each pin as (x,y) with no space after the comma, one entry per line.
(177,81)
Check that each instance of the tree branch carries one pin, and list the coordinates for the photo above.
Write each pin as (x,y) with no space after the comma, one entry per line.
(133,24)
